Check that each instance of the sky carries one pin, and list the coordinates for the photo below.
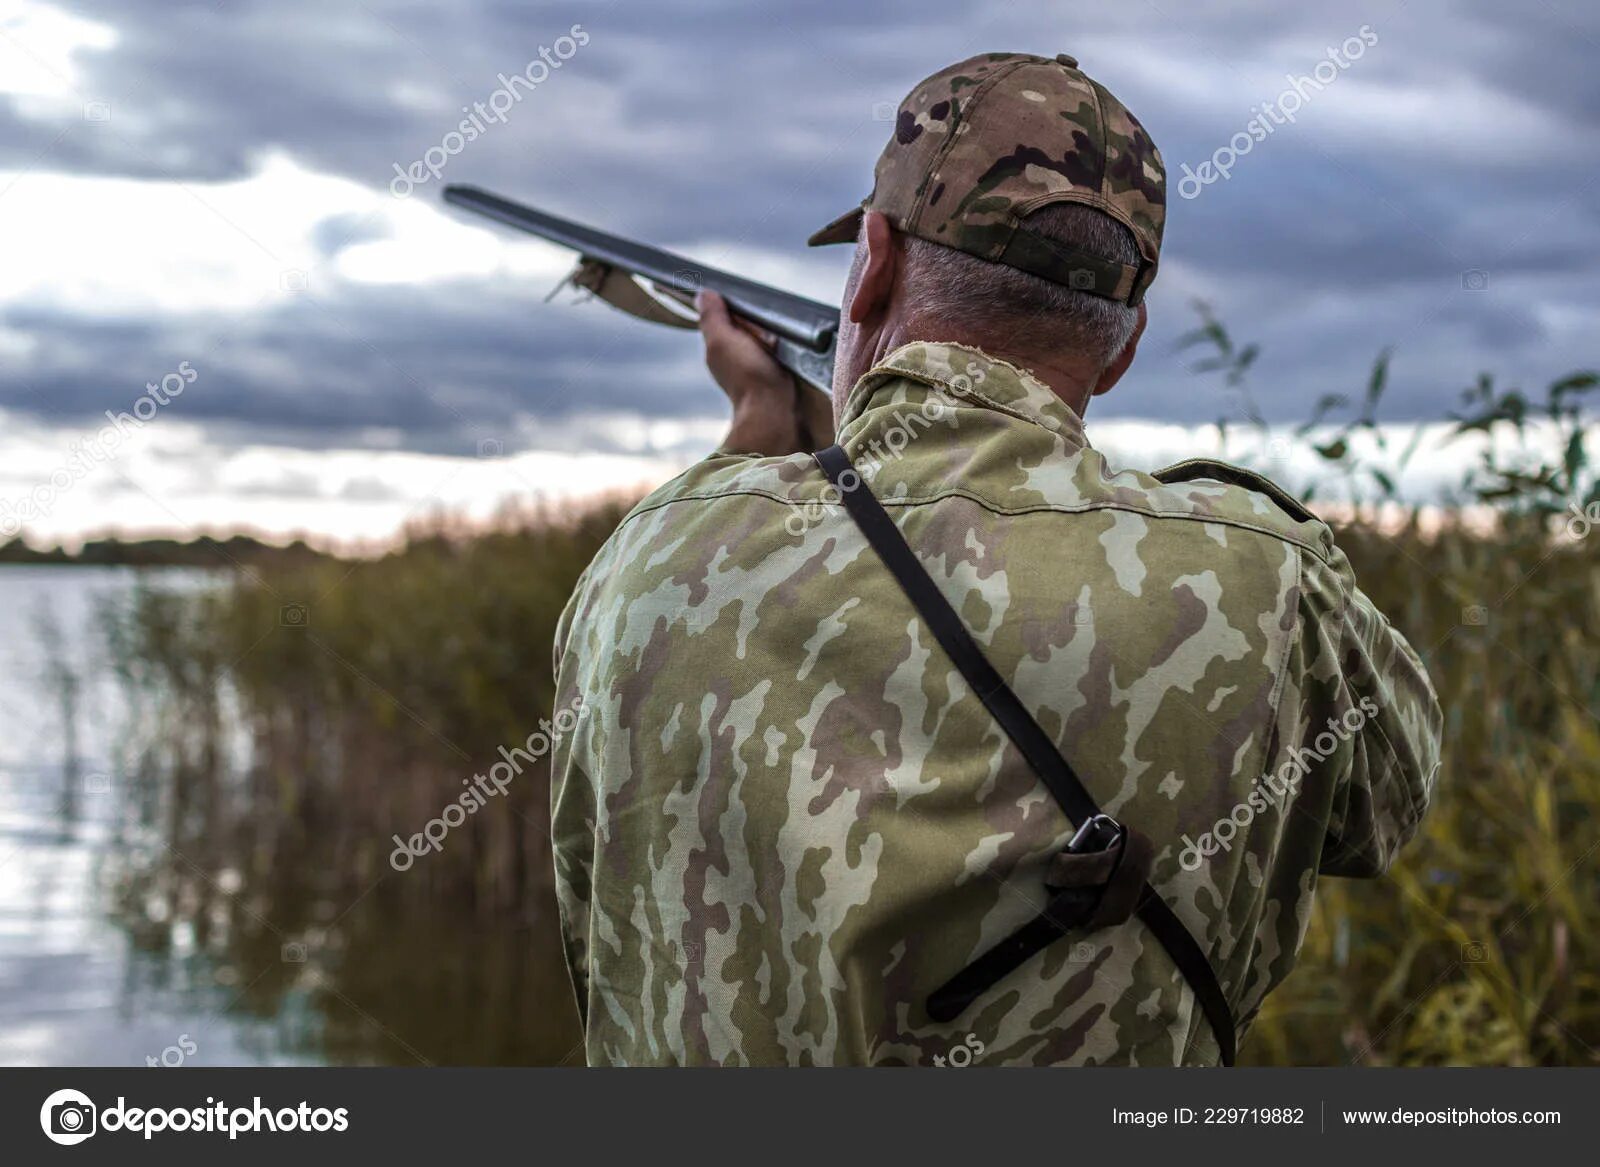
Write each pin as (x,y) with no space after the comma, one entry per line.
(204,196)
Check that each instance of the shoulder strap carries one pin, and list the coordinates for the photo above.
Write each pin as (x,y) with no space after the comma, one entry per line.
(621,290)
(1019,725)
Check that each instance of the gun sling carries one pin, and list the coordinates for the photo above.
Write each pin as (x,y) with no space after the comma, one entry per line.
(1090,889)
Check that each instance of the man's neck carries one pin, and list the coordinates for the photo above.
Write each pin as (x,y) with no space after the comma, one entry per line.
(1068,378)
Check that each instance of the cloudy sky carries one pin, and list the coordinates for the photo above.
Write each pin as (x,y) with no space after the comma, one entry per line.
(202,192)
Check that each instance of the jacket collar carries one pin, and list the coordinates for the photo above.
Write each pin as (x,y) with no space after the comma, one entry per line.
(969,377)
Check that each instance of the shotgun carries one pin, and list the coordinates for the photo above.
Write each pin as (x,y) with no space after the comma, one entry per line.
(656,285)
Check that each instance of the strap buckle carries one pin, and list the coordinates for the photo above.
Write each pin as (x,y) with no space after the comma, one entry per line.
(1099,832)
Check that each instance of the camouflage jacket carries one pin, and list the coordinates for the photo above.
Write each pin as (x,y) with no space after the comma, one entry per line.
(782,817)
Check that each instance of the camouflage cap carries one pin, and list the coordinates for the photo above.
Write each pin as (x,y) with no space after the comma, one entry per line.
(981,144)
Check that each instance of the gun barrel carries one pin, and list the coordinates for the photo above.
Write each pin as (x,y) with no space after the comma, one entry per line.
(794,318)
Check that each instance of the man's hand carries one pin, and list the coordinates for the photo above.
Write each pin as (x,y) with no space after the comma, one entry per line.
(771,411)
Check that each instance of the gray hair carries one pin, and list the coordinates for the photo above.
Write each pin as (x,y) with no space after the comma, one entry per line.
(1020,310)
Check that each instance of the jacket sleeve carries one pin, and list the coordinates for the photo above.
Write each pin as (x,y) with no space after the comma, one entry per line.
(572,812)
(1364,692)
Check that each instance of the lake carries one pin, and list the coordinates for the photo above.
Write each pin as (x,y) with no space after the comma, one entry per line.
(116,948)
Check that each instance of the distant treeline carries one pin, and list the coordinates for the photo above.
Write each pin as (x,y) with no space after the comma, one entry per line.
(234,551)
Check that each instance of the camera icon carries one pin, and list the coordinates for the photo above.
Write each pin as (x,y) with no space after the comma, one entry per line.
(884,111)
(294,952)
(1278,449)
(67,1117)
(490,448)
(294,281)
(96,112)
(1475,616)
(1082,616)
(97,783)
(1082,953)
(1475,952)
(1475,280)
(692,952)
(1080,279)
(688,279)
(294,615)
(72,1118)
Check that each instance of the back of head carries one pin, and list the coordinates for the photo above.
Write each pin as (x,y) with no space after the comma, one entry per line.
(1007,309)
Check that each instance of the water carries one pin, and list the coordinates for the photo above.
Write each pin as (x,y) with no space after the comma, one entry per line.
(119,948)
(75,987)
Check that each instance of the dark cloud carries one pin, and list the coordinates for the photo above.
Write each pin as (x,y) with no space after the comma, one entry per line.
(445,368)
(748,124)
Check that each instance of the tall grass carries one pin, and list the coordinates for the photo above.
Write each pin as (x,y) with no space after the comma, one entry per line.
(364,692)
(302,714)
(1483,945)
(291,721)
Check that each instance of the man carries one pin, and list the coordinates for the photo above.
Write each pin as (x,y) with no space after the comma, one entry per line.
(785,819)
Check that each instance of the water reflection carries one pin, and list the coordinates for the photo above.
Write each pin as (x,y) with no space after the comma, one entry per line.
(369,982)
(162,901)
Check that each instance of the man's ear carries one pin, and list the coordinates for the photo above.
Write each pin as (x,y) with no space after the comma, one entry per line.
(875,288)
(1119,363)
